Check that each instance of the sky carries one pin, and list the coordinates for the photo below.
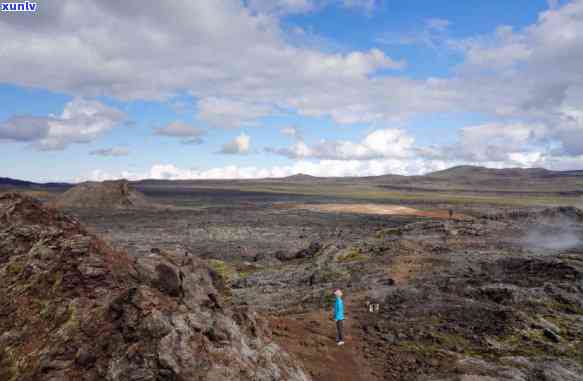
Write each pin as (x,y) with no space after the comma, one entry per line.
(210,89)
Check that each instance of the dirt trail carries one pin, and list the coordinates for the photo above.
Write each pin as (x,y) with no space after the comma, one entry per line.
(311,338)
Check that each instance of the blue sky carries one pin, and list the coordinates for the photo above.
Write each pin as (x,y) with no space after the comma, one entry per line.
(245,89)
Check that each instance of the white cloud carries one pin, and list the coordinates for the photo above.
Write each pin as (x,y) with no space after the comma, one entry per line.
(113,152)
(281,6)
(239,146)
(431,33)
(24,128)
(231,113)
(498,142)
(341,168)
(437,24)
(501,50)
(187,133)
(532,76)
(387,143)
(367,5)
(82,121)
(292,131)
(179,129)
(240,65)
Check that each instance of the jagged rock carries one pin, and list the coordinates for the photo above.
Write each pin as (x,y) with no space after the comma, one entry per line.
(310,251)
(72,308)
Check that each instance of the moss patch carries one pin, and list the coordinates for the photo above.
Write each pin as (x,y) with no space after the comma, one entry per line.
(8,369)
(14,268)
(329,275)
(354,255)
(391,232)
(223,269)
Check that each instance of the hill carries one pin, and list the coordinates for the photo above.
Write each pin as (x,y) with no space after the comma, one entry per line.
(108,194)
(300,177)
(476,171)
(14,183)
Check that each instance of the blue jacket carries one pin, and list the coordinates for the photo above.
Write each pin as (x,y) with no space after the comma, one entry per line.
(338,309)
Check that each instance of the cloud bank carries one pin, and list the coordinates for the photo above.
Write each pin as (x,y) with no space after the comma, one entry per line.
(527,83)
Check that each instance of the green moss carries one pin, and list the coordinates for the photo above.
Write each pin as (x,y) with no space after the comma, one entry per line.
(565,307)
(58,279)
(530,343)
(332,275)
(8,367)
(47,311)
(243,274)
(354,255)
(223,269)
(439,342)
(392,232)
(14,268)
(72,323)
(422,349)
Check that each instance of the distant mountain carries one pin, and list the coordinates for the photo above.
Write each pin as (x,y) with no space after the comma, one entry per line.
(300,177)
(7,182)
(462,174)
(476,171)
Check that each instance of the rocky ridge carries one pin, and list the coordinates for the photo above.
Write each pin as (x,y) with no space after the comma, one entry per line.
(71,308)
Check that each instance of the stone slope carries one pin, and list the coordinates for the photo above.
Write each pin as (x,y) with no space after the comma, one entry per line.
(71,308)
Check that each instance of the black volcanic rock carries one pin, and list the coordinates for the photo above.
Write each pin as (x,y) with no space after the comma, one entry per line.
(71,308)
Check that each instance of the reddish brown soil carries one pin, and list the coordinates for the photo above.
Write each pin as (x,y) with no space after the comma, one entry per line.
(374,209)
(311,338)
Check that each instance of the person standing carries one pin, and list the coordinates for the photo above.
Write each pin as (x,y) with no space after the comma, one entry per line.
(339,316)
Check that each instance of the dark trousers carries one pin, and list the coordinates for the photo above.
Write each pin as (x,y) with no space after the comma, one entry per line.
(339,329)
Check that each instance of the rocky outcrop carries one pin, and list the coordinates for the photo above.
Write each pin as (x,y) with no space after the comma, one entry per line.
(71,308)
(107,194)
